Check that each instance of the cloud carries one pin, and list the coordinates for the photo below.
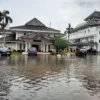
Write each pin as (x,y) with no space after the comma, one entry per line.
(75,11)
(58,12)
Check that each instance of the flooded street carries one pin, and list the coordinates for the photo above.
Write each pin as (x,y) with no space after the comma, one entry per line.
(47,77)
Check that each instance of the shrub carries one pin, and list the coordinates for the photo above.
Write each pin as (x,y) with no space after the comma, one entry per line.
(53,53)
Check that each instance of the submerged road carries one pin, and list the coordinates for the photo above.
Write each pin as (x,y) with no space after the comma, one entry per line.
(47,77)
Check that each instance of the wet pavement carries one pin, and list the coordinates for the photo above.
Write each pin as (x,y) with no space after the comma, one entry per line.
(47,77)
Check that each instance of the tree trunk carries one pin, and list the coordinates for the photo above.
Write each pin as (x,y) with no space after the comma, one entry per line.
(4,36)
(68,36)
(4,31)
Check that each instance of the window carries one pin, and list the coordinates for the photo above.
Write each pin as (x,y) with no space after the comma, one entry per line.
(99,32)
(85,32)
(88,30)
(24,33)
(99,41)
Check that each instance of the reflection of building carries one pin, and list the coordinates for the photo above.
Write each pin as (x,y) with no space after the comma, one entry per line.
(33,33)
(88,33)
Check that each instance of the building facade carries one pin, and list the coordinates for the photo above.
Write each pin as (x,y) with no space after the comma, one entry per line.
(87,34)
(33,34)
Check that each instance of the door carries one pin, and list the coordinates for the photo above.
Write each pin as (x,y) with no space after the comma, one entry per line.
(36,46)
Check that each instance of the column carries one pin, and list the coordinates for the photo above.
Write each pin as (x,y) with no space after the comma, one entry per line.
(22,46)
(26,47)
(43,47)
(46,47)
(16,46)
(29,45)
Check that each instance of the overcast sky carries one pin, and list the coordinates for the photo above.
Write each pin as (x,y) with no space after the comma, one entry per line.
(58,12)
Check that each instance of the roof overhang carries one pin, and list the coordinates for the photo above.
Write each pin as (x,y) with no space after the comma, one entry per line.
(39,31)
(83,44)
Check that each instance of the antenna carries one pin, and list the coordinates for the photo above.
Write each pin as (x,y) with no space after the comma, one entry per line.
(50,24)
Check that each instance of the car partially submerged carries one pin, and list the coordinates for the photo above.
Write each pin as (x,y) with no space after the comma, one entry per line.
(81,52)
(32,51)
(5,51)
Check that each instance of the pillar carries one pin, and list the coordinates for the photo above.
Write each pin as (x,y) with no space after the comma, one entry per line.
(46,47)
(29,45)
(16,46)
(26,47)
(43,47)
(22,46)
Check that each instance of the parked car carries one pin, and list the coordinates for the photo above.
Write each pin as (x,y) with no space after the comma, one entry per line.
(81,52)
(92,51)
(4,51)
(32,51)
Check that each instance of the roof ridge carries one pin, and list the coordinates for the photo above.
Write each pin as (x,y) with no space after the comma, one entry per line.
(35,22)
(95,14)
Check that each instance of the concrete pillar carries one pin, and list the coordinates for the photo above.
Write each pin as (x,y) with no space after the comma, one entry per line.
(46,47)
(26,47)
(43,47)
(16,46)
(29,44)
(22,46)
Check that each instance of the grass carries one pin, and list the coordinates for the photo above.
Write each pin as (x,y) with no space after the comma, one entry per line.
(16,53)
(65,53)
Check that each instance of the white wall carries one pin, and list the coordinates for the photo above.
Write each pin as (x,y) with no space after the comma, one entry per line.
(86,35)
(97,38)
(13,46)
(51,35)
(91,31)
(19,34)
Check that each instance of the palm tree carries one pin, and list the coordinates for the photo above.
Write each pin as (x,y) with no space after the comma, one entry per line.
(4,21)
(68,30)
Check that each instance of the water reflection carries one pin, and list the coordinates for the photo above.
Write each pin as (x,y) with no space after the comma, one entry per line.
(47,77)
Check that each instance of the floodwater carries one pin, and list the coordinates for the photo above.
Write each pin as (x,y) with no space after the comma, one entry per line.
(47,77)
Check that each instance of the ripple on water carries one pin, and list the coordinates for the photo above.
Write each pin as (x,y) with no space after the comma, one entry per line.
(50,78)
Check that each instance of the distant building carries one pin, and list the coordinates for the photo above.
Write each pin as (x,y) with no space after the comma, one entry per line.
(87,34)
(33,34)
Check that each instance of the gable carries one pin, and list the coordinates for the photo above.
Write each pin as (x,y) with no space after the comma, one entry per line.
(35,22)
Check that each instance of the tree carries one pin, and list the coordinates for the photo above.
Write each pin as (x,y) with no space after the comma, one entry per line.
(60,43)
(4,21)
(68,30)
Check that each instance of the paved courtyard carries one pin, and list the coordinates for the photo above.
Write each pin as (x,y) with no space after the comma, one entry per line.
(47,77)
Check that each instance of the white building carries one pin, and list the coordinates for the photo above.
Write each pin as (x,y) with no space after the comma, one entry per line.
(87,34)
(33,34)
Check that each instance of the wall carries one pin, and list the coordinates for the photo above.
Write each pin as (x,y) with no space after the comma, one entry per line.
(86,35)
(13,46)
(91,31)
(19,34)
(98,37)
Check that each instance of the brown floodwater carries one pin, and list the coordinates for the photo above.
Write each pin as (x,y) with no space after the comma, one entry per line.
(47,77)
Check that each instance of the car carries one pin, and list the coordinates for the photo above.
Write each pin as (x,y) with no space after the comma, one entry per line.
(5,51)
(92,51)
(81,52)
(32,51)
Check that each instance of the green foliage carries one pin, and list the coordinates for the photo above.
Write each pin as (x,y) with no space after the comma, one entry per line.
(4,21)
(65,53)
(61,43)
(53,53)
(16,53)
(4,18)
